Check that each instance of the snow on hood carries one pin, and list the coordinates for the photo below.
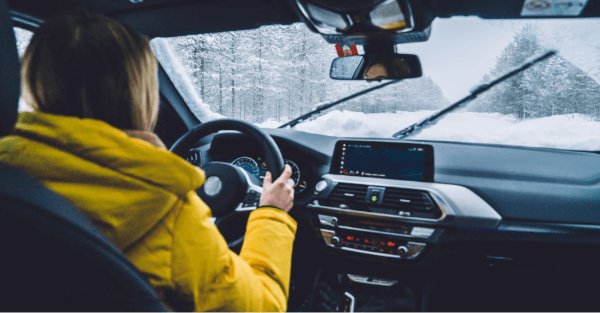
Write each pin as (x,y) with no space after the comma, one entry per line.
(180,79)
(570,131)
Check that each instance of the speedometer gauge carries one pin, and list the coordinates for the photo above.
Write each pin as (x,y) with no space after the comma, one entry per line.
(295,171)
(247,164)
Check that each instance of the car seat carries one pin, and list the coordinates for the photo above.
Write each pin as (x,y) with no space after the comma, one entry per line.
(52,258)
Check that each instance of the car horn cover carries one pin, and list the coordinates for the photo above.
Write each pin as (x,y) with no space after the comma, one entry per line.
(223,200)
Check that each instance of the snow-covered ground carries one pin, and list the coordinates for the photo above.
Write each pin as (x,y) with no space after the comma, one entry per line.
(575,132)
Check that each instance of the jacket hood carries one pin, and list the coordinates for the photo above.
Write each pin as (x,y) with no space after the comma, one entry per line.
(100,143)
(124,184)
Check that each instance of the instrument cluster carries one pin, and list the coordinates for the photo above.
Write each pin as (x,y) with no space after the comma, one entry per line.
(258,168)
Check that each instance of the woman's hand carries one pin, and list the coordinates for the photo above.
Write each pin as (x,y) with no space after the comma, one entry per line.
(278,194)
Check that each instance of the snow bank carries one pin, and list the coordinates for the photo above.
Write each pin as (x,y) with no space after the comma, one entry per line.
(180,79)
(575,132)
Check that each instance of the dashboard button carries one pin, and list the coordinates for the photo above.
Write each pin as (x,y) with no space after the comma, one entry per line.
(403,251)
(335,240)
(321,186)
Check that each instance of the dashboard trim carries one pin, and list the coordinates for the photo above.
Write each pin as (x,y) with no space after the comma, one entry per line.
(383,232)
(460,206)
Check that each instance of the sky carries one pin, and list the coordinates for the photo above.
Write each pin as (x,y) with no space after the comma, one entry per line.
(460,51)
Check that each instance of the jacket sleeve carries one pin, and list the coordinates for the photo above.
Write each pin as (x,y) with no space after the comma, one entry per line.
(214,278)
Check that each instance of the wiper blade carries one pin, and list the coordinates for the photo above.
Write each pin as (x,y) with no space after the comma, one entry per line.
(417,128)
(326,106)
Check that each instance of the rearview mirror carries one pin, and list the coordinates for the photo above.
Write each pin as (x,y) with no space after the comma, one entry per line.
(376,67)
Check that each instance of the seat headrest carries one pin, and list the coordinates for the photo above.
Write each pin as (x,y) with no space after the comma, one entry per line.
(10,78)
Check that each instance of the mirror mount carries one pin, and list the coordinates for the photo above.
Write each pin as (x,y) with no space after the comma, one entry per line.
(374,47)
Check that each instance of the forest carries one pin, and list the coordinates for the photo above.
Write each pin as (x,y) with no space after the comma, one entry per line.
(279,72)
(551,87)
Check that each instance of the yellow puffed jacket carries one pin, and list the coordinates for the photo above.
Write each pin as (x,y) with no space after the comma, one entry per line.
(143,199)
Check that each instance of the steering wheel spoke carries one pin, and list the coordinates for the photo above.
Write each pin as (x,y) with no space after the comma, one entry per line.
(252,199)
(229,190)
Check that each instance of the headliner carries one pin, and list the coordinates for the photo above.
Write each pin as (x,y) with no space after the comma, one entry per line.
(166,18)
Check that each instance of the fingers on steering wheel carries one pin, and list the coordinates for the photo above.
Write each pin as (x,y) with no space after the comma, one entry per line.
(287,173)
(268,179)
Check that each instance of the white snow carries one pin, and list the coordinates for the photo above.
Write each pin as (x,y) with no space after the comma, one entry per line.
(180,79)
(571,131)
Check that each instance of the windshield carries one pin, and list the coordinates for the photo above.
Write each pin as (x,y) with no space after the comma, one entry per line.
(273,74)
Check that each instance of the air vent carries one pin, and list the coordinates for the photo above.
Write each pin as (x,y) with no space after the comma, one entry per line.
(349,192)
(193,157)
(408,199)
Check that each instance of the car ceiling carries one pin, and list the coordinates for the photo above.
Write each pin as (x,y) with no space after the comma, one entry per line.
(166,18)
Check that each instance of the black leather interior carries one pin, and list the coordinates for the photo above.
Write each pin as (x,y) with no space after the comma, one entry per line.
(53,257)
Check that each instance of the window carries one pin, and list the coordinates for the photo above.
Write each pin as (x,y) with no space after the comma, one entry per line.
(23,37)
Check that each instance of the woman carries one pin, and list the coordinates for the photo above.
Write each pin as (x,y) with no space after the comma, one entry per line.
(92,82)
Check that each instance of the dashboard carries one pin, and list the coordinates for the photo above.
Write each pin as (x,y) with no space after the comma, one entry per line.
(257,167)
(407,211)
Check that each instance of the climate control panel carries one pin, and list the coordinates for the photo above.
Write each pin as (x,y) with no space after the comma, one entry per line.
(372,244)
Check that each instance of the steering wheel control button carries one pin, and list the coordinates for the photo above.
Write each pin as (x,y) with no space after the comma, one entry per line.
(213,186)
(375,195)
(320,186)
(252,199)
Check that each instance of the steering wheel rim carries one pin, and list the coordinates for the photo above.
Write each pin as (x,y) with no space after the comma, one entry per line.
(273,159)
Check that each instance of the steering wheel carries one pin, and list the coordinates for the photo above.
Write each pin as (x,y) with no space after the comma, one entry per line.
(228,188)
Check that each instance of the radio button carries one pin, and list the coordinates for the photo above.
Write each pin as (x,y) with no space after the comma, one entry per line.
(335,240)
(403,251)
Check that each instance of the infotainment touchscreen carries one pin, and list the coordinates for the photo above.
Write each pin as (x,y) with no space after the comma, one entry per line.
(383,160)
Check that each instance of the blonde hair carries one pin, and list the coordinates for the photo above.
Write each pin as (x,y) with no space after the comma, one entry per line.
(91,66)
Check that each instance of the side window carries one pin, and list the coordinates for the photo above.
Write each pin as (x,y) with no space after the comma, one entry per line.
(23,37)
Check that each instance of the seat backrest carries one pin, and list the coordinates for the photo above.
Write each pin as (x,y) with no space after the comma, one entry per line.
(52,258)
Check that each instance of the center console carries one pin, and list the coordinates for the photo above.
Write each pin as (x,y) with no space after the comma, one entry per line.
(380,202)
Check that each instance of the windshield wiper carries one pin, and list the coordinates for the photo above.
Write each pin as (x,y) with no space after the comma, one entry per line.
(326,106)
(417,128)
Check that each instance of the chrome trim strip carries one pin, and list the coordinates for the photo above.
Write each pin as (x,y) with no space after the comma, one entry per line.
(335,210)
(376,281)
(351,297)
(370,252)
(382,232)
(460,206)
